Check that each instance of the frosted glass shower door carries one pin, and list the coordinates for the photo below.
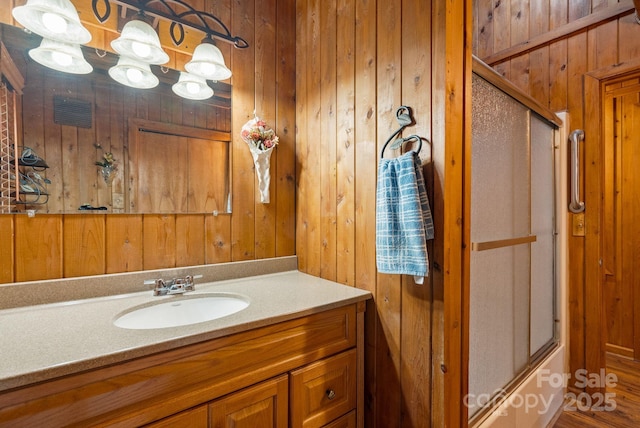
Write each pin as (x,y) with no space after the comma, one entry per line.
(499,299)
(511,263)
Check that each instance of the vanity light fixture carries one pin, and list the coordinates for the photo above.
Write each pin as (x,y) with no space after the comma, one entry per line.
(52,19)
(192,87)
(139,46)
(61,56)
(208,62)
(133,73)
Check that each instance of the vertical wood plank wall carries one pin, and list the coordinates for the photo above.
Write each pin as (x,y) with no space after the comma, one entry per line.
(329,74)
(71,151)
(64,245)
(581,37)
(357,62)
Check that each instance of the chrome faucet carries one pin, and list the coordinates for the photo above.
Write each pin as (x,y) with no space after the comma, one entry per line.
(163,287)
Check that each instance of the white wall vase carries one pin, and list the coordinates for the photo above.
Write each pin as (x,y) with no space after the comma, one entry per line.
(262,162)
(108,172)
(261,139)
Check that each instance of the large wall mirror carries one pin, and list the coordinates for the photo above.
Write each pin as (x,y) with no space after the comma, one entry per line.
(171,155)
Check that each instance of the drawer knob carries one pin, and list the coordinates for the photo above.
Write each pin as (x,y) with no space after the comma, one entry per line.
(331,394)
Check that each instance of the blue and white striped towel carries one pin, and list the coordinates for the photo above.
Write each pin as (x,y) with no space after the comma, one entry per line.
(403,217)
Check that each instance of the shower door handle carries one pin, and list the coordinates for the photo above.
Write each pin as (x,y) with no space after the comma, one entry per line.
(576,206)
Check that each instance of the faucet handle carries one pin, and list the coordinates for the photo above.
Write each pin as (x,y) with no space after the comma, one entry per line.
(173,286)
(160,288)
(189,283)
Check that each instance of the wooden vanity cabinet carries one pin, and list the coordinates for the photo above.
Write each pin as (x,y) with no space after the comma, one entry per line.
(305,372)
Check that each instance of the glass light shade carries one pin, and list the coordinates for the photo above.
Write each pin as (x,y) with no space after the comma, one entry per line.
(52,19)
(208,62)
(192,87)
(140,41)
(61,56)
(133,73)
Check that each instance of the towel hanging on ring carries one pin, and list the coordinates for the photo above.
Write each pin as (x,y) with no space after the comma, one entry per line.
(403,217)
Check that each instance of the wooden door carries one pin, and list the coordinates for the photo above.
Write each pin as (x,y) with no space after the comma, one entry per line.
(178,169)
(208,175)
(621,215)
(162,168)
(262,405)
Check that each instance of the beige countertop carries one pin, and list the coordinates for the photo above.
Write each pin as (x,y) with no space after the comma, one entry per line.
(45,341)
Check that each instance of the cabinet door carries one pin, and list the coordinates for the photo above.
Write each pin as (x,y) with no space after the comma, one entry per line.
(192,418)
(324,390)
(263,405)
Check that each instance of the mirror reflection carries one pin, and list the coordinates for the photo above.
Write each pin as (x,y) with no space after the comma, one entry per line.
(113,148)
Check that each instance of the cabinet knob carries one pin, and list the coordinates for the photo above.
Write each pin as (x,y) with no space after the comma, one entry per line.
(331,394)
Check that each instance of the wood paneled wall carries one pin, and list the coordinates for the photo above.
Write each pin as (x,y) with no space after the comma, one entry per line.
(546,48)
(357,62)
(71,151)
(53,246)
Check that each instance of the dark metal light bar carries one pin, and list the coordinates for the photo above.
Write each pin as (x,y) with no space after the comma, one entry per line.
(168,11)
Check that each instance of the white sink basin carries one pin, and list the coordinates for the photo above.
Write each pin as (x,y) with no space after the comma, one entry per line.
(182,310)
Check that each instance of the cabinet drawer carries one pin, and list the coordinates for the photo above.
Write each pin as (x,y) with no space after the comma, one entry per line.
(323,391)
(347,421)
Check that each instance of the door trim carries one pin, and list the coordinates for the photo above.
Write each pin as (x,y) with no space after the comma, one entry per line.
(595,322)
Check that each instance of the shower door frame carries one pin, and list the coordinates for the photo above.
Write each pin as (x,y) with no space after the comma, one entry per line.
(491,76)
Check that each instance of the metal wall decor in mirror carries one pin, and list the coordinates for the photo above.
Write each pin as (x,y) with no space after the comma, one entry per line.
(171,154)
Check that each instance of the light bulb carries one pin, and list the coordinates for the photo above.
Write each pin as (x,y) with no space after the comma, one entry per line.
(193,87)
(134,75)
(207,69)
(54,22)
(62,58)
(141,49)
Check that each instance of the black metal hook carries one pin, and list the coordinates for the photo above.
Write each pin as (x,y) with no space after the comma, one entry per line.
(405,118)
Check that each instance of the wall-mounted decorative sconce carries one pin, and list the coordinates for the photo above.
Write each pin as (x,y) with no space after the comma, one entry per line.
(139,46)
(108,165)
